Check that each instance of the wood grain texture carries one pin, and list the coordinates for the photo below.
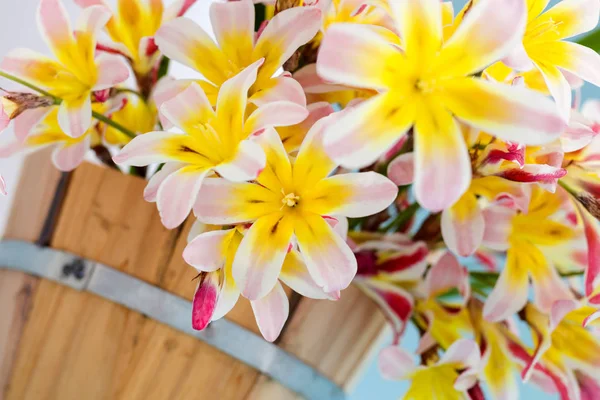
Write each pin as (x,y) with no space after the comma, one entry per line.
(79,346)
(33,195)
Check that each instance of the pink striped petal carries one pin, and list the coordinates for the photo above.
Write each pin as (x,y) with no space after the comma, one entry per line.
(442,162)
(246,164)
(403,262)
(328,258)
(284,34)
(177,194)
(28,120)
(166,89)
(548,287)
(511,113)
(53,22)
(75,116)
(510,293)
(578,134)
(151,189)
(145,149)
(498,225)
(207,252)
(489,32)
(592,237)
(463,226)
(233,25)
(352,195)
(295,275)
(401,170)
(281,88)
(177,8)
(67,158)
(356,56)
(559,311)
(112,70)
(205,299)
(445,275)
(395,363)
(92,19)
(545,175)
(312,83)
(271,312)
(360,135)
(3,186)
(260,256)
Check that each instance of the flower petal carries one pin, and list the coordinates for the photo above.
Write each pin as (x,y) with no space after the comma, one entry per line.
(592,237)
(362,134)
(34,67)
(295,274)
(548,287)
(67,157)
(75,116)
(328,258)
(401,170)
(278,171)
(53,22)
(229,294)
(356,56)
(574,58)
(498,225)
(466,353)
(510,293)
(222,202)
(445,275)
(489,32)
(395,363)
(271,312)
(207,252)
(3,186)
(572,17)
(205,299)
(512,113)
(463,226)
(233,24)
(518,59)
(185,41)
(177,194)
(558,86)
(283,35)
(28,120)
(177,8)
(352,195)
(260,256)
(151,189)
(442,162)
(277,113)
(247,163)
(188,108)
(148,148)
(112,70)
(281,88)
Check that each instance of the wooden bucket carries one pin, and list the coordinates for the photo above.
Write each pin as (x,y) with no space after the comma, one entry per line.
(58,343)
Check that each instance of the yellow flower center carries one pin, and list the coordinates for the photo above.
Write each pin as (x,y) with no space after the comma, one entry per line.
(544,30)
(290,200)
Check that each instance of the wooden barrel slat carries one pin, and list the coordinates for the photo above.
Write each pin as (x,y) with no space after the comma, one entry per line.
(79,346)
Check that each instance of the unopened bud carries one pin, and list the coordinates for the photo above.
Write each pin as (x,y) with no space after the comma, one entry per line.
(590,203)
(14,103)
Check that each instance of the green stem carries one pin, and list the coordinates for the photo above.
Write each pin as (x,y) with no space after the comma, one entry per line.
(490,278)
(58,100)
(568,188)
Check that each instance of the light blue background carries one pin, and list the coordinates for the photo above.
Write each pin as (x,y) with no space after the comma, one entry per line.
(373,387)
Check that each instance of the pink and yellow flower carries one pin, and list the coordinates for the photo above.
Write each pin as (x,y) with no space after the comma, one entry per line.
(543,46)
(449,378)
(133,26)
(212,253)
(238,47)
(213,140)
(77,71)
(291,202)
(524,236)
(427,84)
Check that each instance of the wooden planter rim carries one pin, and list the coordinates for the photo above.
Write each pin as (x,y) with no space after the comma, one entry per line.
(108,283)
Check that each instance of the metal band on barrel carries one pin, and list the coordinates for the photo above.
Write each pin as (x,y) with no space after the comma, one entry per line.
(89,276)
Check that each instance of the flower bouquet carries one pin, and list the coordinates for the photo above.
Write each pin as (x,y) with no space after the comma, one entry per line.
(437,160)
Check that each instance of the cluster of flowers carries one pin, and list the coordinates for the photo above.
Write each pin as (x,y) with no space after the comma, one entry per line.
(470,145)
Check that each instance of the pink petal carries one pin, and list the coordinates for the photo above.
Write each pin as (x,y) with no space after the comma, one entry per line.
(53,22)
(359,194)
(559,88)
(260,256)
(442,162)
(281,88)
(539,173)
(246,165)
(510,293)
(3,186)
(498,224)
(466,353)
(559,311)
(151,189)
(207,252)
(28,120)
(228,296)
(177,8)
(548,287)
(75,116)
(145,149)
(187,108)
(112,70)
(284,34)
(205,300)
(462,227)
(447,274)
(233,25)
(518,59)
(177,194)
(278,113)
(166,89)
(271,312)
(68,157)
(395,363)
(578,134)
(93,18)
(592,237)
(328,258)
(295,275)
(402,169)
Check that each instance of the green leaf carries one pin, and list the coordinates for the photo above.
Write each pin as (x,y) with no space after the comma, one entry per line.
(592,40)
(163,68)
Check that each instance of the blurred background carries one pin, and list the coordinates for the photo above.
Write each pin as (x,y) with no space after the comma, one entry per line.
(18,29)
